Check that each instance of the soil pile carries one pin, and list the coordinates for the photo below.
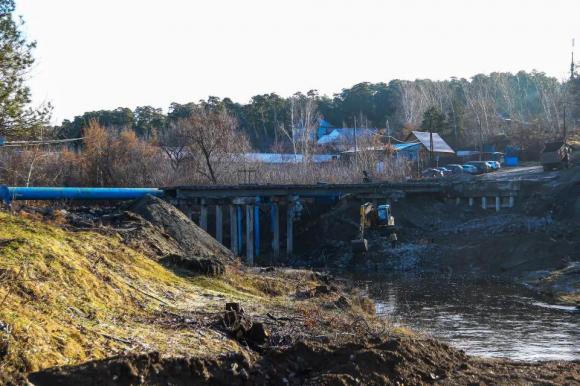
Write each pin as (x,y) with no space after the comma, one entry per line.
(374,361)
(180,241)
(150,225)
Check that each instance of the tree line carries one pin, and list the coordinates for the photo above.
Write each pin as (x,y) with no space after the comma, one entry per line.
(524,106)
(519,105)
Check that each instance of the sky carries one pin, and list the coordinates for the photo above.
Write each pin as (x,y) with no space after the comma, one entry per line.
(103,54)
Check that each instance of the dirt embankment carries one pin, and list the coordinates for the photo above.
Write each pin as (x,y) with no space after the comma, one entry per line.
(375,361)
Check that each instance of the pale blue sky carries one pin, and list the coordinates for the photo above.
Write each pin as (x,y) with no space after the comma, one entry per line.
(101,54)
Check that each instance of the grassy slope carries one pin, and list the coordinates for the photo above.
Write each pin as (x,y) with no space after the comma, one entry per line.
(71,297)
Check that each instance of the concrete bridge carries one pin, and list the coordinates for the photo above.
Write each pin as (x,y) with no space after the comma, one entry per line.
(251,208)
(244,204)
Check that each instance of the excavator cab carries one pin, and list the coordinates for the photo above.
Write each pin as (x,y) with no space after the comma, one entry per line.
(384,216)
(371,216)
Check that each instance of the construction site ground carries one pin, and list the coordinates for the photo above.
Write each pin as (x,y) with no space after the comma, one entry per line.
(536,242)
(147,297)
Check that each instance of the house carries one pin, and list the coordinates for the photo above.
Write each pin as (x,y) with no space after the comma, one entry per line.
(344,138)
(287,158)
(417,147)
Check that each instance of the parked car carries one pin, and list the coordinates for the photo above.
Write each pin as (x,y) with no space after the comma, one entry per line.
(497,164)
(493,165)
(470,169)
(432,172)
(455,168)
(444,170)
(482,166)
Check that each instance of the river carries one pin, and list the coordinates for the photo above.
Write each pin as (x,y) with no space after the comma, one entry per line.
(484,318)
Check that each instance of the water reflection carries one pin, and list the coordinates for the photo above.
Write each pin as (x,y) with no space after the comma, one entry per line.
(483,318)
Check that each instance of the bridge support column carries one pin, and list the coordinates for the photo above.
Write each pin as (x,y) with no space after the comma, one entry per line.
(497,203)
(257,230)
(483,202)
(470,201)
(250,234)
(203,216)
(239,218)
(233,230)
(219,224)
(275,216)
(511,202)
(290,229)
(188,211)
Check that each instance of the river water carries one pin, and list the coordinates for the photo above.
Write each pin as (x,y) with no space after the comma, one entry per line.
(484,318)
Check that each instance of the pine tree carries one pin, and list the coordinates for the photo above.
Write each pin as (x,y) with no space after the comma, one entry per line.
(17,119)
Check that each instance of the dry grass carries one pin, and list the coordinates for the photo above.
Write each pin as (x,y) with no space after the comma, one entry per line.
(72,297)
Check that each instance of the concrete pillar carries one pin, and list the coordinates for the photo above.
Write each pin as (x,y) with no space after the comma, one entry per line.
(257,230)
(275,216)
(511,202)
(250,234)
(458,201)
(483,202)
(219,224)
(188,212)
(203,216)
(233,230)
(497,203)
(470,201)
(290,229)
(240,217)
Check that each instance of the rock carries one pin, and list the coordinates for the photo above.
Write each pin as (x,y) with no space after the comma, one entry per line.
(205,266)
(257,334)
(342,303)
(234,307)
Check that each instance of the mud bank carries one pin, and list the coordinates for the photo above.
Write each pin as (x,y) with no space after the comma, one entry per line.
(374,361)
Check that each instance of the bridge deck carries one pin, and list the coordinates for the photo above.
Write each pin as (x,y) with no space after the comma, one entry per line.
(319,190)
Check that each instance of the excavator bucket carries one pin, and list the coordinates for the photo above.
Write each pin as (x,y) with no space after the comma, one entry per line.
(359,245)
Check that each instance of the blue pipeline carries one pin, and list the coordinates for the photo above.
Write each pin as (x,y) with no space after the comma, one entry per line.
(8,194)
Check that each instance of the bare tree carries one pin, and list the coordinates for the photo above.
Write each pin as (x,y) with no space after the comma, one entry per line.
(304,122)
(212,141)
(173,141)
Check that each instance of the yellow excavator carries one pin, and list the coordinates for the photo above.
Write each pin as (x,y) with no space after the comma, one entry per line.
(372,217)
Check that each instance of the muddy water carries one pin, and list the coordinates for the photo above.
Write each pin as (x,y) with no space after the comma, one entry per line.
(490,319)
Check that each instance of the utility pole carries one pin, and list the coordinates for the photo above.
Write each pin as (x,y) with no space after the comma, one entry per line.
(572,66)
(431,144)
(564,122)
(389,133)
(480,140)
(355,143)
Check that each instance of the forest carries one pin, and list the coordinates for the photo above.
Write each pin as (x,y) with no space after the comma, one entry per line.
(524,106)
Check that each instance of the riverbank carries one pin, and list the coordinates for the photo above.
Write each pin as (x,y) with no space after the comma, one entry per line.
(133,303)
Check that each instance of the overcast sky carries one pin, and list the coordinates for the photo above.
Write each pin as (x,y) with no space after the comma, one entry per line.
(102,54)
